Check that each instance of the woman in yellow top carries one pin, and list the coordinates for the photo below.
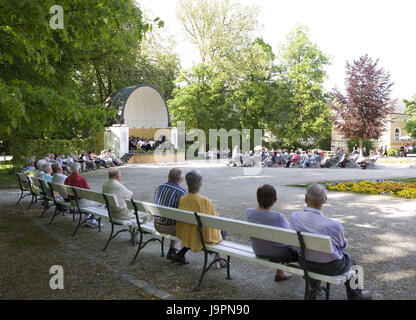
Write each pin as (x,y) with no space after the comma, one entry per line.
(188,233)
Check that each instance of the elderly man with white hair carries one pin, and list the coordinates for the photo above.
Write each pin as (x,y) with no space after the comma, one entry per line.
(312,220)
(58,175)
(45,172)
(114,186)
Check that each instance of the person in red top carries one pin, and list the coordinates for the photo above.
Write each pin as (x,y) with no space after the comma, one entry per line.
(75,180)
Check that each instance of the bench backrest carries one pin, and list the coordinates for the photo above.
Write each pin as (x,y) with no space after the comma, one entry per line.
(45,188)
(35,181)
(60,188)
(23,181)
(315,242)
(92,196)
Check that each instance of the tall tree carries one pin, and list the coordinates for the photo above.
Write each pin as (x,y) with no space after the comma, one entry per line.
(217,26)
(53,81)
(300,113)
(222,32)
(362,113)
(410,126)
(203,100)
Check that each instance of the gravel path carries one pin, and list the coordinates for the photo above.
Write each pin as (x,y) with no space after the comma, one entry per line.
(380,231)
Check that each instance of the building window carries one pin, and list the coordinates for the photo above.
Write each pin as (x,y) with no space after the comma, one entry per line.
(397,134)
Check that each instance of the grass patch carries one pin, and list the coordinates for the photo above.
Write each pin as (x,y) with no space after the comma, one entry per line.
(5,227)
(26,235)
(8,179)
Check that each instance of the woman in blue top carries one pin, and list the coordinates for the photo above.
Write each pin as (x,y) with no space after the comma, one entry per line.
(276,252)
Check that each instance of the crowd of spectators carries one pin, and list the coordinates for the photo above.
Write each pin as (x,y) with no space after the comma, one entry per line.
(45,167)
(303,158)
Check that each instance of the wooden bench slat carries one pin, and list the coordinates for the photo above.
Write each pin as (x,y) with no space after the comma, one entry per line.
(155,210)
(312,241)
(97,211)
(60,188)
(93,196)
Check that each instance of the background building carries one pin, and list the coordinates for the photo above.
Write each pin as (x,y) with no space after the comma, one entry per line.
(394,136)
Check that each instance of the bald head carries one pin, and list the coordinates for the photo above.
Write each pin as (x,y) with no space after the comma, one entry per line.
(315,196)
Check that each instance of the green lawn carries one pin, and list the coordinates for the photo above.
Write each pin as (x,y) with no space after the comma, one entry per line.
(8,179)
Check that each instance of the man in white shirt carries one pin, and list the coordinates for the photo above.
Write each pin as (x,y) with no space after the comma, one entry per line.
(58,176)
(113,157)
(113,186)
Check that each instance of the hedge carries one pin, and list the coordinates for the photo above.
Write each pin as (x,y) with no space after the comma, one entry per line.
(39,148)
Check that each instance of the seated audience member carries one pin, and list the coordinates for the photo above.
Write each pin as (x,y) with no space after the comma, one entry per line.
(50,158)
(46,172)
(58,158)
(349,160)
(332,161)
(312,220)
(364,161)
(104,156)
(69,159)
(33,172)
(58,175)
(295,158)
(30,165)
(39,164)
(87,163)
(168,195)
(275,252)
(113,157)
(188,233)
(98,161)
(114,186)
(312,160)
(75,180)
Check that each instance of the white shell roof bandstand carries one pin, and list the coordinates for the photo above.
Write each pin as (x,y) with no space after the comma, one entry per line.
(142,106)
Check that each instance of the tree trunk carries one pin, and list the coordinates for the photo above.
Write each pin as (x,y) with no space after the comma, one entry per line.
(361,147)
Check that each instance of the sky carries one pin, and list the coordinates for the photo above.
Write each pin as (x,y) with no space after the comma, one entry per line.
(343,29)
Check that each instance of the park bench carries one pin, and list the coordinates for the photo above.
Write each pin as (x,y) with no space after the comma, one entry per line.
(105,212)
(34,190)
(59,194)
(45,193)
(230,249)
(301,240)
(24,185)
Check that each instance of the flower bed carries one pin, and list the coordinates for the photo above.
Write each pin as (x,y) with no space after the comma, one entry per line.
(400,189)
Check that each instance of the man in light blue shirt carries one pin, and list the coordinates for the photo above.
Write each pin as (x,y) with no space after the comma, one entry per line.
(30,165)
(312,220)
(46,172)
